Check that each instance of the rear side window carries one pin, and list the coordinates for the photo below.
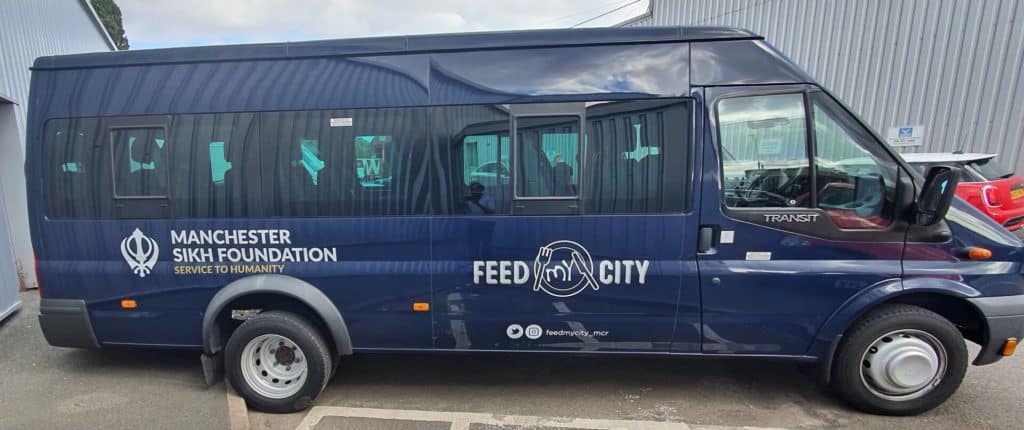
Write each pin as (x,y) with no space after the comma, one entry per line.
(638,157)
(472,157)
(139,162)
(366,162)
(631,157)
(71,168)
(215,165)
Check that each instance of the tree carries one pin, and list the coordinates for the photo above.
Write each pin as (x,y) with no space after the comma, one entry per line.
(110,16)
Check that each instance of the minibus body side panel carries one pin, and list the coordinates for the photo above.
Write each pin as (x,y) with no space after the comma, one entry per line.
(486,291)
(994,287)
(527,276)
(999,275)
(941,268)
(382,267)
(478,296)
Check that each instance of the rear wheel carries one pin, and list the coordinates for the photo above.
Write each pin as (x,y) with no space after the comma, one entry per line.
(278,362)
(900,360)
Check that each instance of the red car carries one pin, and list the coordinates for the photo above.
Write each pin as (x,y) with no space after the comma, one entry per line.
(984,183)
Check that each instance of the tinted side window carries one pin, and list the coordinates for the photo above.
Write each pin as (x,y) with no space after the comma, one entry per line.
(471,155)
(548,156)
(73,169)
(633,158)
(764,151)
(363,162)
(216,165)
(638,157)
(139,162)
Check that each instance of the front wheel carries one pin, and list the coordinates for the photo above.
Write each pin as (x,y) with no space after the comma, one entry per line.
(278,362)
(900,360)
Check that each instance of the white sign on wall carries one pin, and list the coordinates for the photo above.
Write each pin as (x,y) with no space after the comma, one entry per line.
(905,135)
(769,146)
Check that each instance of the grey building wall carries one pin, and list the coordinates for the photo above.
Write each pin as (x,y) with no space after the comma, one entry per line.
(953,66)
(9,298)
(30,29)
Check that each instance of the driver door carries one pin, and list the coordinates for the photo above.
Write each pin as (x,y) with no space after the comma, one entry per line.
(802,212)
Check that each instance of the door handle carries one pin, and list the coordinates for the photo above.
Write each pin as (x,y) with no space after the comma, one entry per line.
(705,238)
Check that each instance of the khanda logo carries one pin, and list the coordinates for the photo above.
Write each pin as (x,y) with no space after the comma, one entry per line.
(140,252)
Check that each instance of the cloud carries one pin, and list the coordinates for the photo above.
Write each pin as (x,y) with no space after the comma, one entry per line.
(163,23)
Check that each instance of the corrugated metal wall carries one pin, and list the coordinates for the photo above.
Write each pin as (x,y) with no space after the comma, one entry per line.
(34,28)
(953,66)
(9,298)
(30,29)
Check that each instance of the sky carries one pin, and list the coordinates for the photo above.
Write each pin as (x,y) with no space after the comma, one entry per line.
(168,23)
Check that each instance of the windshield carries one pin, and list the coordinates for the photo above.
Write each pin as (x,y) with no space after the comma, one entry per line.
(990,169)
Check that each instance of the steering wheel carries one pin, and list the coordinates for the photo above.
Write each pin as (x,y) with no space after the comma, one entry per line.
(750,195)
(753,193)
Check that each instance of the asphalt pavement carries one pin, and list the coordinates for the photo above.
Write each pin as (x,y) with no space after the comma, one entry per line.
(43,387)
(47,387)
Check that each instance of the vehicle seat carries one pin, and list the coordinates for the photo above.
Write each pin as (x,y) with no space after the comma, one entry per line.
(561,180)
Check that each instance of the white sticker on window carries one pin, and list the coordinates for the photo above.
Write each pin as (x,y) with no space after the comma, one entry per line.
(727,237)
(341,122)
(759,256)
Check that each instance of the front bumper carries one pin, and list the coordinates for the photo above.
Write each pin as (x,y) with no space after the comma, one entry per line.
(65,322)
(1004,317)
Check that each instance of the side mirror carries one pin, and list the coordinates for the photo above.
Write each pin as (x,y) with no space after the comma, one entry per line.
(937,194)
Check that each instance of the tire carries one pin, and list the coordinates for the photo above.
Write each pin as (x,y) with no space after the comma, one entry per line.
(278,362)
(885,338)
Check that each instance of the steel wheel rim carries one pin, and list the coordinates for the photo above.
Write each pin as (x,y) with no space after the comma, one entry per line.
(903,365)
(273,366)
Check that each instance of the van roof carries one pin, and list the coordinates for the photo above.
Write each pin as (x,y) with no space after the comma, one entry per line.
(397,45)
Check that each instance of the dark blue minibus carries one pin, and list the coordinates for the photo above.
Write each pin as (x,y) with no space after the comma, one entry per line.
(675,191)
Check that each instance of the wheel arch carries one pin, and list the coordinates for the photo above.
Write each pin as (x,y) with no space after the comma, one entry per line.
(294,294)
(945,297)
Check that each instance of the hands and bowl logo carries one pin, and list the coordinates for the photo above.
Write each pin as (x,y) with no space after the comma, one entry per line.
(140,252)
(563,268)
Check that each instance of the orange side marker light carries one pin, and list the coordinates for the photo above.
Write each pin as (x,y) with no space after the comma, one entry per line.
(1009,347)
(128,304)
(975,253)
(420,307)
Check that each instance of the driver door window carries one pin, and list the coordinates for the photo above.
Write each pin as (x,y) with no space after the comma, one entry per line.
(764,151)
